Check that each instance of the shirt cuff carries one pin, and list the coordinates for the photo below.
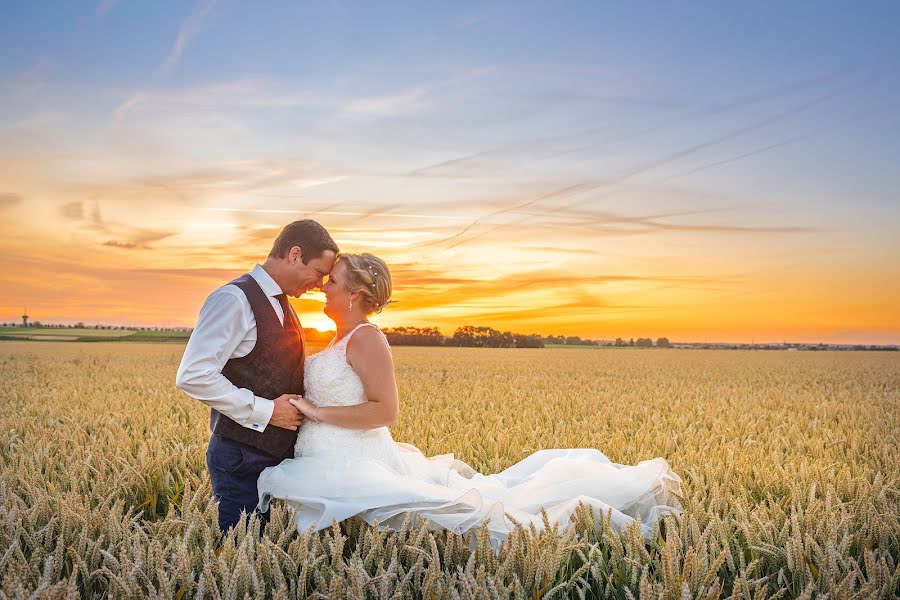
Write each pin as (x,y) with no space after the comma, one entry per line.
(260,415)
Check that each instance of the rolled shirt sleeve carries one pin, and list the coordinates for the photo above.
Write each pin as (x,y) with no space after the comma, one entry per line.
(221,327)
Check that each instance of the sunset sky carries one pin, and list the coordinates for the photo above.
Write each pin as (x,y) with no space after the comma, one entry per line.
(701,171)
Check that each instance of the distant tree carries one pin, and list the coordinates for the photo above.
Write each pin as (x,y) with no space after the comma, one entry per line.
(631,342)
(487,337)
(414,336)
(528,341)
(644,343)
(663,343)
(620,342)
(471,336)
(499,339)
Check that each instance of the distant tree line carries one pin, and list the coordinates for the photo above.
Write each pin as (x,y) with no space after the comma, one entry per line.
(643,342)
(81,325)
(488,337)
(414,336)
(469,336)
(572,340)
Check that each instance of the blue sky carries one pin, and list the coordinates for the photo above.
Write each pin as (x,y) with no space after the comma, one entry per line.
(681,159)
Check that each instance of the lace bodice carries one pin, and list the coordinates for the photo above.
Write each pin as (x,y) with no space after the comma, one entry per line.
(328,377)
(331,381)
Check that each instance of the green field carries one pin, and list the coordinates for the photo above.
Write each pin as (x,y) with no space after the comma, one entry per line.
(791,465)
(91,335)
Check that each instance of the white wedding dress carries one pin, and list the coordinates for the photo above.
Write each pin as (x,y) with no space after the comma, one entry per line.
(338,473)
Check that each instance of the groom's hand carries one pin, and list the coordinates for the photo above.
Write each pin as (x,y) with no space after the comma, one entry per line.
(285,414)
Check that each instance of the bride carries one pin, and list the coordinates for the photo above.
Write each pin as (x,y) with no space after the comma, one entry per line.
(346,462)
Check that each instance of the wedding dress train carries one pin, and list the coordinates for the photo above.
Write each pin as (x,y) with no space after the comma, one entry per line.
(338,473)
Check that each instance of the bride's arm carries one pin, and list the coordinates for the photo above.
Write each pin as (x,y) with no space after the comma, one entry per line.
(370,357)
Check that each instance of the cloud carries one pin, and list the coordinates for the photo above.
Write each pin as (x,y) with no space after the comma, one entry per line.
(621,226)
(382,211)
(474,164)
(401,102)
(122,235)
(188,184)
(116,244)
(190,27)
(434,287)
(470,20)
(140,239)
(580,188)
(87,287)
(238,93)
(35,79)
(8,200)
(104,7)
(97,219)
(613,184)
(72,210)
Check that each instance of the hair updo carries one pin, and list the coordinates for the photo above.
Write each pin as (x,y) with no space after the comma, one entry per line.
(368,274)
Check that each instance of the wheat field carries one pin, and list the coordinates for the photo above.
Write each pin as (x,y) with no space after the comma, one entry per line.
(791,466)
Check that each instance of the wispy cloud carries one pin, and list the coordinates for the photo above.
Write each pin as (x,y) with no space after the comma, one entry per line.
(185,184)
(104,7)
(35,79)
(471,20)
(73,211)
(189,29)
(89,218)
(247,92)
(379,212)
(8,200)
(139,239)
(580,189)
(854,118)
(476,164)
(402,102)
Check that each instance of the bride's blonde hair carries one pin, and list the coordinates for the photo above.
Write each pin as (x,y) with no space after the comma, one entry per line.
(368,274)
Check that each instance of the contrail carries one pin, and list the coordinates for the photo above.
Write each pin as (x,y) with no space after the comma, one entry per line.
(587,186)
(561,192)
(791,140)
(714,109)
(749,100)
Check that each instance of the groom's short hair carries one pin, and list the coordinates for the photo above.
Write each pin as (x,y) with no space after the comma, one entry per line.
(311,237)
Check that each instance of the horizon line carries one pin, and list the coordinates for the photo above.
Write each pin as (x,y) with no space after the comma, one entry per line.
(895,343)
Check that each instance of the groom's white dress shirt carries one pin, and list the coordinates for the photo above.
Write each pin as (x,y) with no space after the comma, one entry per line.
(226,328)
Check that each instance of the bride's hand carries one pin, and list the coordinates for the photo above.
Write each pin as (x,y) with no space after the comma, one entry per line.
(304,406)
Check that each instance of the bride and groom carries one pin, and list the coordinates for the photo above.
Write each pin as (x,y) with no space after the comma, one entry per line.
(313,430)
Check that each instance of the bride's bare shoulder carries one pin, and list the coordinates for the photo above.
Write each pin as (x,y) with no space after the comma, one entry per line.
(367,339)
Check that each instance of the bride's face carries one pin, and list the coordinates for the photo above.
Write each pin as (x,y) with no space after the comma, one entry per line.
(337,296)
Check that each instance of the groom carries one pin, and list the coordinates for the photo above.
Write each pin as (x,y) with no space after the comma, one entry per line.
(245,361)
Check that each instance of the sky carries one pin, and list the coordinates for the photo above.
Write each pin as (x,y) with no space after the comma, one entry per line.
(700,171)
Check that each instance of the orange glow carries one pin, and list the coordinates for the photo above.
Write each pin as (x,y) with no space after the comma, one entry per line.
(147,262)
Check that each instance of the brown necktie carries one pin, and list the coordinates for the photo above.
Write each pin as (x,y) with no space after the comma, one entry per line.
(289,315)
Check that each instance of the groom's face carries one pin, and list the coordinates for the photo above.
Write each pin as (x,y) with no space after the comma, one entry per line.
(305,277)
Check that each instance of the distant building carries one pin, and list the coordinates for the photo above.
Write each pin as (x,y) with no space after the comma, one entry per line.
(25,319)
